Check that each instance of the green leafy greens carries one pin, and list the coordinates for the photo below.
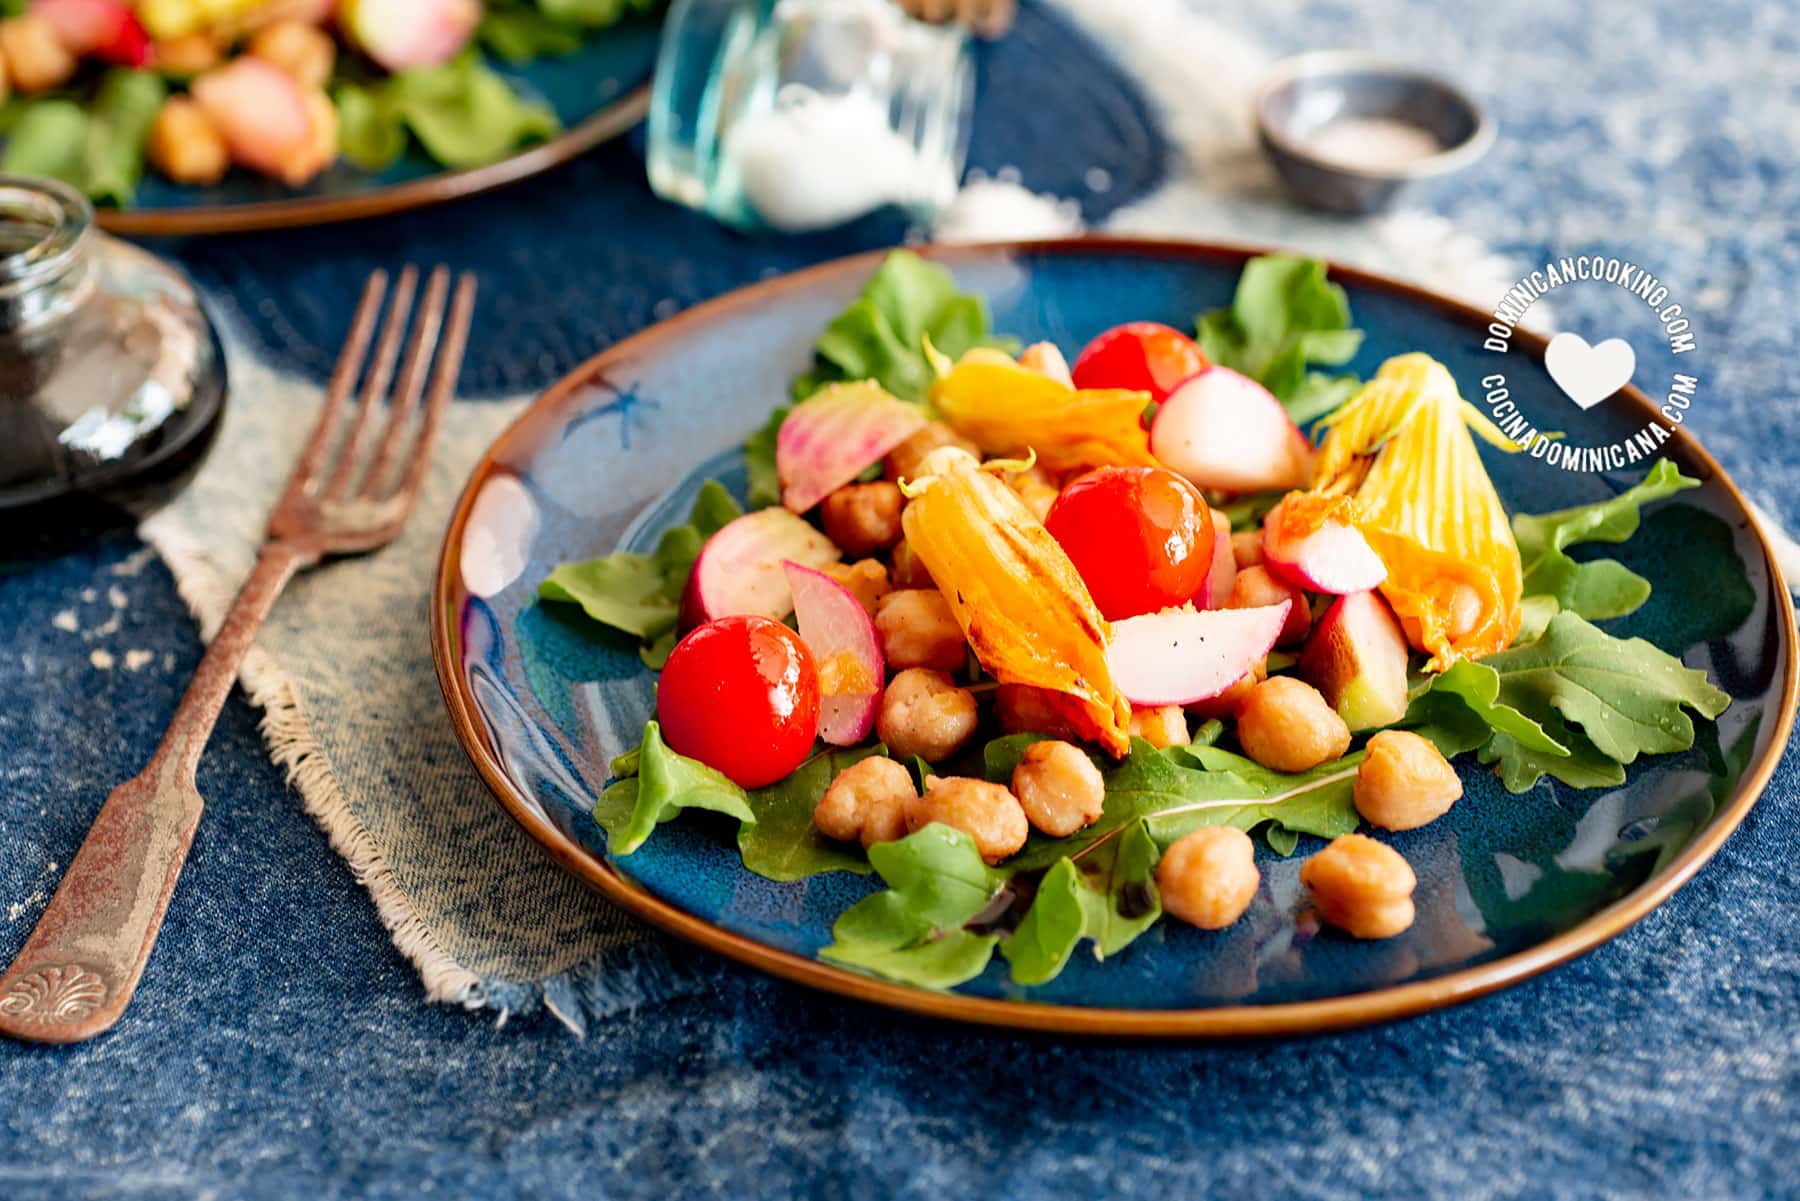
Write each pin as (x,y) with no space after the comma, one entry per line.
(1576,704)
(1605,587)
(1285,317)
(463,114)
(881,336)
(640,594)
(98,148)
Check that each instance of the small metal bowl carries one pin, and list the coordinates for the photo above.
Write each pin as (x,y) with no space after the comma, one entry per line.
(1308,93)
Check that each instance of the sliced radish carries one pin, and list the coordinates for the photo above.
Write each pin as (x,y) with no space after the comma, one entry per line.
(1334,558)
(1180,656)
(1224,566)
(1357,660)
(740,567)
(104,29)
(258,109)
(1046,358)
(402,34)
(1226,431)
(829,439)
(837,630)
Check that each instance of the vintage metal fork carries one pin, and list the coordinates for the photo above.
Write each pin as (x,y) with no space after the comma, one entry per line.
(79,968)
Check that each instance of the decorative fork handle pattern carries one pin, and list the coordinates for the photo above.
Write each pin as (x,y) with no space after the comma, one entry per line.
(78,970)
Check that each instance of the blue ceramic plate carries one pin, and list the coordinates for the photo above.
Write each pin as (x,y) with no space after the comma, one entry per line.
(1508,885)
(597,93)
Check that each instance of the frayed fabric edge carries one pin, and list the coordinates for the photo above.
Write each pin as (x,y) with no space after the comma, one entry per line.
(614,982)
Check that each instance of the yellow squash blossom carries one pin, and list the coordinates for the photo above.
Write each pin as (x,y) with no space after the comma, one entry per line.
(1018,598)
(1006,409)
(1399,464)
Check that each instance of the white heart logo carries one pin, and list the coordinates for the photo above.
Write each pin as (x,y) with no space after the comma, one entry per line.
(1589,374)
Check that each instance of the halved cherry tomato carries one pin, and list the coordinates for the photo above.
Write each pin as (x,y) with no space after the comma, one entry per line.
(1141,355)
(741,694)
(1141,537)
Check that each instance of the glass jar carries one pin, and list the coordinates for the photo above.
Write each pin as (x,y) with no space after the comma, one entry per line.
(112,380)
(798,115)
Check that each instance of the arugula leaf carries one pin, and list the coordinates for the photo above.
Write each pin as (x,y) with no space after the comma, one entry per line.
(881,336)
(518,34)
(98,149)
(463,113)
(640,594)
(1627,695)
(595,14)
(1577,704)
(1184,788)
(759,461)
(1108,896)
(781,843)
(665,785)
(1604,587)
(1285,315)
(1535,613)
(914,931)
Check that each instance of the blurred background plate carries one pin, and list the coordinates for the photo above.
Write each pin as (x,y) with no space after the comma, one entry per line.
(1509,885)
(598,92)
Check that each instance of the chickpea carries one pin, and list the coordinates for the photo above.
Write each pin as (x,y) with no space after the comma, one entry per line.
(320,149)
(1208,878)
(189,54)
(185,145)
(1059,788)
(1226,703)
(304,52)
(990,815)
(1026,709)
(903,461)
(1036,489)
(866,803)
(863,518)
(1246,548)
(36,59)
(1361,886)
(908,571)
(1163,726)
(1404,782)
(917,629)
(1285,724)
(865,579)
(1256,587)
(924,713)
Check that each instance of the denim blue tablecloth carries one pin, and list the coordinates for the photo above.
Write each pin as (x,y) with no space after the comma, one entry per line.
(279,1046)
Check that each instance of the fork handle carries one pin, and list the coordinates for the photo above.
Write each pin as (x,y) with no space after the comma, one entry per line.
(78,970)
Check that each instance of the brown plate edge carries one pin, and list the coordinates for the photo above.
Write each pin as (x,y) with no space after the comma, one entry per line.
(1231,1021)
(609,122)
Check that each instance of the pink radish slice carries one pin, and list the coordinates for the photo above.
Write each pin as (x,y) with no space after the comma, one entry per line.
(258,109)
(1180,656)
(402,34)
(740,567)
(829,439)
(1226,431)
(85,26)
(842,639)
(1357,660)
(1335,558)
(1224,566)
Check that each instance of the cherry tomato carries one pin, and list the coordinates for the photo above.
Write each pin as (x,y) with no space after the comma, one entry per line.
(741,694)
(1141,355)
(1141,537)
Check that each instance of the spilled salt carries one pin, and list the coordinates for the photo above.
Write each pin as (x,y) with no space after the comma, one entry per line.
(101,659)
(989,210)
(1382,143)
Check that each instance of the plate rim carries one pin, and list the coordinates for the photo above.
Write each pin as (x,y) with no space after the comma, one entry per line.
(296,212)
(1227,1021)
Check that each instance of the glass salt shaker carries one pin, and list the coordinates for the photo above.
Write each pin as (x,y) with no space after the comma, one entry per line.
(798,115)
(112,380)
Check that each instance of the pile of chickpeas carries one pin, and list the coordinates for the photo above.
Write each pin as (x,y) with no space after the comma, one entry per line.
(1207,878)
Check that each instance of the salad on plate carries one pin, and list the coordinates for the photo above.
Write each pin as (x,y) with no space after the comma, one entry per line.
(97,89)
(1049,646)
